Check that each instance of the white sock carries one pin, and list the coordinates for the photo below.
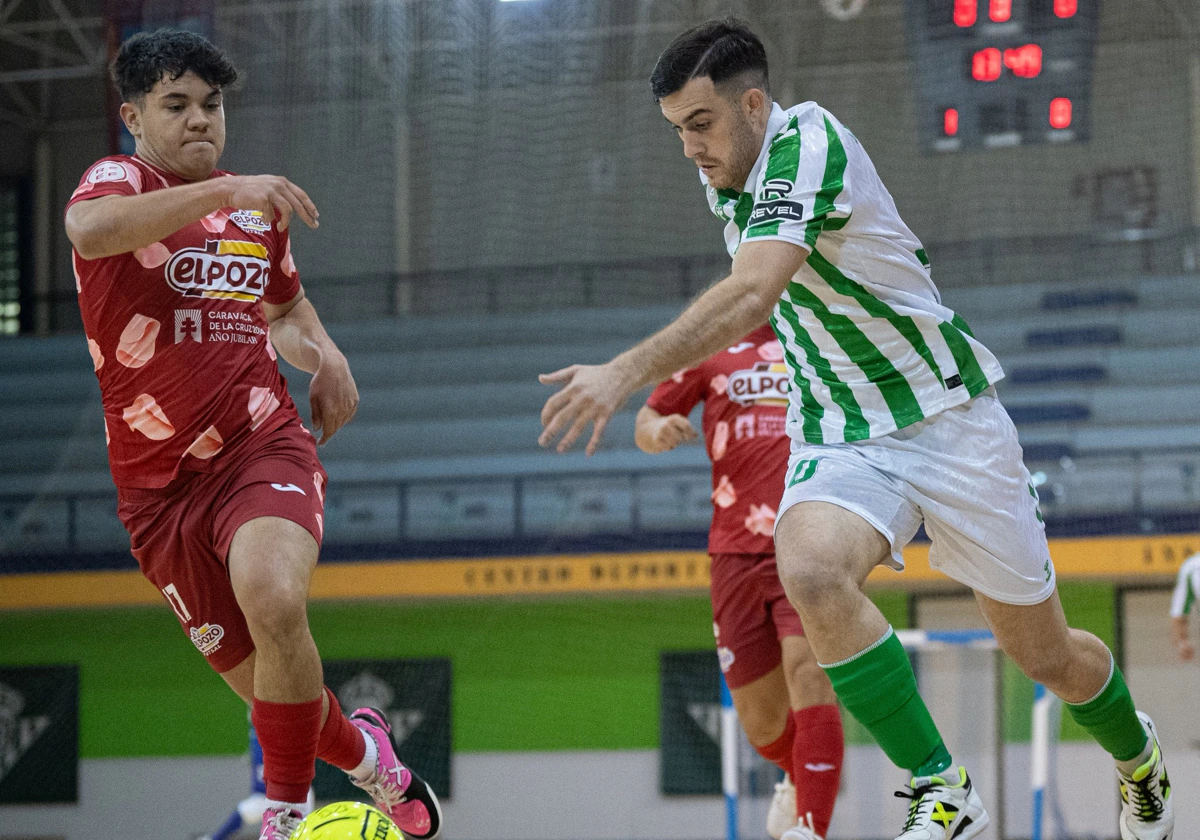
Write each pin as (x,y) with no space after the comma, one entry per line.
(300,807)
(366,767)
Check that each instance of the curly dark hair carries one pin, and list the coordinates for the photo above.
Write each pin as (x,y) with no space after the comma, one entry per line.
(722,50)
(148,57)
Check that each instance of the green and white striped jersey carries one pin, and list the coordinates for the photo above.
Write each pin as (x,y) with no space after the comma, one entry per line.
(868,343)
(1187,586)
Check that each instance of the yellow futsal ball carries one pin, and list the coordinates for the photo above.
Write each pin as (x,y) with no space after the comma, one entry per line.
(347,821)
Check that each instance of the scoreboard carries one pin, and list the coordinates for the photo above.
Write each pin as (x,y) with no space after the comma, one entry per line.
(994,73)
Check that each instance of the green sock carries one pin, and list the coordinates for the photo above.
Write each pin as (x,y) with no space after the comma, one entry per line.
(879,688)
(1111,719)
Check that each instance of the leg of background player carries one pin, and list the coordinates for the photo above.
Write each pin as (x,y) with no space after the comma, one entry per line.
(819,744)
(270,562)
(241,678)
(762,708)
(825,553)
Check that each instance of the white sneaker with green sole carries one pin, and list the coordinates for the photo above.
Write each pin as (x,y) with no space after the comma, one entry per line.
(1146,812)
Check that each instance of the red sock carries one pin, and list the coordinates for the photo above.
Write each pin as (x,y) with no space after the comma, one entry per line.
(779,751)
(288,733)
(817,761)
(341,743)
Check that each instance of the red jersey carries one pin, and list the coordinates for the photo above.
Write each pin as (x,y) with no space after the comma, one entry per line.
(745,394)
(178,335)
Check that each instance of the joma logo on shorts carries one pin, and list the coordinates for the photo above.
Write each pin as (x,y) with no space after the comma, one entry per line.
(221,269)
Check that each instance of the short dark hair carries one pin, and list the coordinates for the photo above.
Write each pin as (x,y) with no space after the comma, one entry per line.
(147,57)
(722,50)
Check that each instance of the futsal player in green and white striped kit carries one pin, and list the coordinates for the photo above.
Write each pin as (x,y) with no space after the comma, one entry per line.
(894,423)
(1187,589)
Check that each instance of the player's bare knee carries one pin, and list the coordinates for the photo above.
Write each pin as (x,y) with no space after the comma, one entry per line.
(277,624)
(764,722)
(762,715)
(811,585)
(275,606)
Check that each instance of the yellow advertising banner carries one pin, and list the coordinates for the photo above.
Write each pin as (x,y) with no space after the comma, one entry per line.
(1125,559)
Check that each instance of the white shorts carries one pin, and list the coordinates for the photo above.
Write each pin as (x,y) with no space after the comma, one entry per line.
(961,473)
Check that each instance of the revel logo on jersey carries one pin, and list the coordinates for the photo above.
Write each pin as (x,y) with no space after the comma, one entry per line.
(775,189)
(777,211)
(764,384)
(221,269)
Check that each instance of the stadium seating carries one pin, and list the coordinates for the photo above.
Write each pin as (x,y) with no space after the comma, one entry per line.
(1103,384)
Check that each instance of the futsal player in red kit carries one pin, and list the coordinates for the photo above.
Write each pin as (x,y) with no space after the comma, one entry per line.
(187,288)
(783,698)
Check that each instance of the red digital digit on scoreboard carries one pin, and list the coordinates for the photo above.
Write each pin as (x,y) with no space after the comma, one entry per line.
(1066,8)
(1060,113)
(1025,62)
(965,12)
(986,64)
(950,122)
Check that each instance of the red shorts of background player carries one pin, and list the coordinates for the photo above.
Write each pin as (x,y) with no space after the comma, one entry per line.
(180,534)
(751,614)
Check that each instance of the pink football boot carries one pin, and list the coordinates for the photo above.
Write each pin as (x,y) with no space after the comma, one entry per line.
(279,823)
(398,791)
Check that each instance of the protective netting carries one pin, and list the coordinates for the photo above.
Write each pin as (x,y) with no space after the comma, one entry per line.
(516,146)
(474,159)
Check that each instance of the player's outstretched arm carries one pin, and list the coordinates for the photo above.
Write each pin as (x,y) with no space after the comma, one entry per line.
(592,394)
(300,337)
(118,224)
(655,433)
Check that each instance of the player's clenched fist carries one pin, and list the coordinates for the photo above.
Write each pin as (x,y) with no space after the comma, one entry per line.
(273,195)
(662,434)
(333,396)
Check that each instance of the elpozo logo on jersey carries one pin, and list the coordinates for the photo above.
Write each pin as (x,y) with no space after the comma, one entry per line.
(251,221)
(766,383)
(223,268)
